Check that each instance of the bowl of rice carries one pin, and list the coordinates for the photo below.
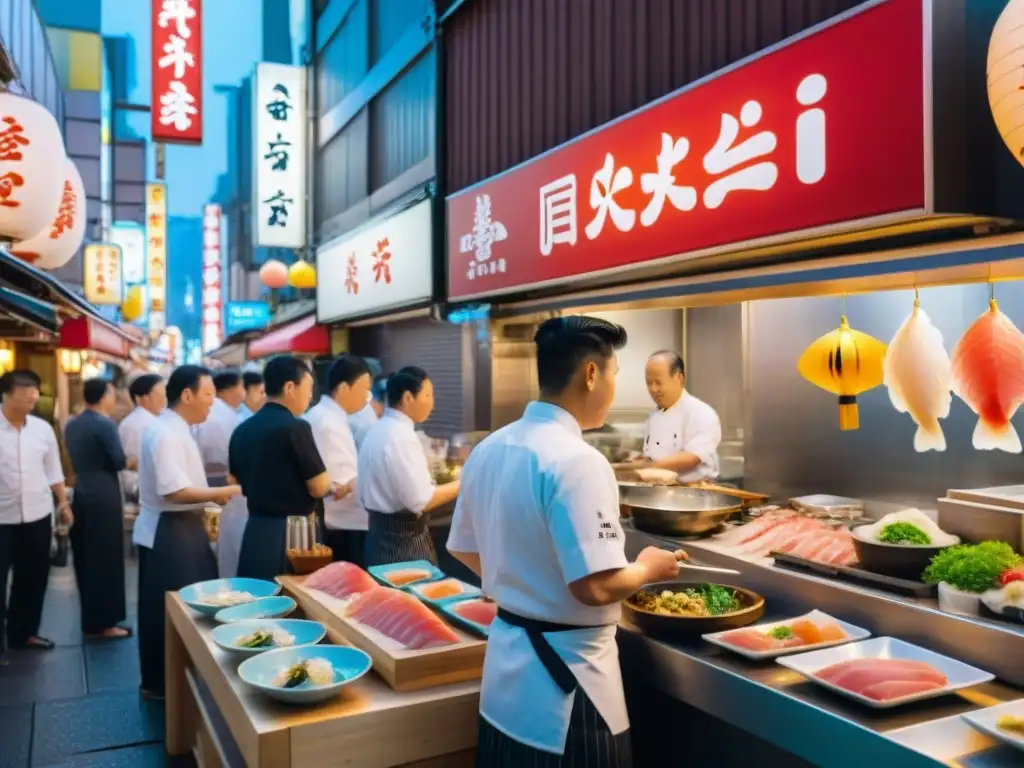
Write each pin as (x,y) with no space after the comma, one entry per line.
(305,675)
(253,636)
(209,597)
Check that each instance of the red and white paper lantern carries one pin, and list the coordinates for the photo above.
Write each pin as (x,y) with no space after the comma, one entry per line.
(60,239)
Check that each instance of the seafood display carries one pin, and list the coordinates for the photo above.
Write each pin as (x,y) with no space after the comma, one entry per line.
(918,374)
(481,612)
(846,363)
(408,576)
(265,638)
(703,600)
(441,589)
(313,672)
(401,617)
(883,679)
(341,580)
(797,634)
(787,532)
(988,375)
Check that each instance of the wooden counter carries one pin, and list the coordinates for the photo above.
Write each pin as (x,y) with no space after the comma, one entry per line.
(212,713)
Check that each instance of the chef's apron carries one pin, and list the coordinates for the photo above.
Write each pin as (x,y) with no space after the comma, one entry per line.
(263,554)
(398,537)
(589,742)
(180,556)
(233,517)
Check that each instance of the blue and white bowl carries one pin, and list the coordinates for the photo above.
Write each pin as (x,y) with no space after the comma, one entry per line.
(303,633)
(264,608)
(197,596)
(349,664)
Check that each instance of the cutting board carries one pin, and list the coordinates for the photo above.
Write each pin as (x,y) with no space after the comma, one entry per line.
(401,668)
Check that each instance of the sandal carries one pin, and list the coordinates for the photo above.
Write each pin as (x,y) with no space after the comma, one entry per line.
(119,633)
(35,644)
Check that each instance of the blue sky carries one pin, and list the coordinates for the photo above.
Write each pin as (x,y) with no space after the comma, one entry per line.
(231,47)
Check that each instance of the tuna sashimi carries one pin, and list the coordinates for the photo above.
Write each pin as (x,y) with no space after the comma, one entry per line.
(406,576)
(897,689)
(858,675)
(341,580)
(478,611)
(988,375)
(401,617)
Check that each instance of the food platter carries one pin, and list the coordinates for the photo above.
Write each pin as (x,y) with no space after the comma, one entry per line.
(666,625)
(852,634)
(386,574)
(987,721)
(957,674)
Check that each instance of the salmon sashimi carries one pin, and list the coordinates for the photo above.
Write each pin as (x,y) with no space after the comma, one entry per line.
(897,689)
(406,576)
(441,589)
(831,632)
(480,612)
(807,631)
(401,617)
(750,639)
(858,675)
(988,375)
(341,580)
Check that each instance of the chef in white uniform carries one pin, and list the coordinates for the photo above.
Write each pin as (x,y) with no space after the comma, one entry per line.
(361,421)
(683,435)
(538,518)
(214,436)
(149,395)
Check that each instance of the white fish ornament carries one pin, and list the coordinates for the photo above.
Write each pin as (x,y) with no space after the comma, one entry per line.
(919,376)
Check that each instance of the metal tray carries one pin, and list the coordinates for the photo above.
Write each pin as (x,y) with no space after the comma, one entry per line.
(826,505)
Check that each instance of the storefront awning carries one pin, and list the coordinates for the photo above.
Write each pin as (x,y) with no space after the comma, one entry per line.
(28,309)
(88,333)
(299,337)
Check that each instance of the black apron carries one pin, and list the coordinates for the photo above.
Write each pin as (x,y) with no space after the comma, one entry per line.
(264,554)
(181,555)
(398,537)
(589,743)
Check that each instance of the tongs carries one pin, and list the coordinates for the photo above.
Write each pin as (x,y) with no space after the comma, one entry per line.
(687,565)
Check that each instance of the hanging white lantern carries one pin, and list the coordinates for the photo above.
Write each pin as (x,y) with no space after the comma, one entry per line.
(31,167)
(59,240)
(1006,76)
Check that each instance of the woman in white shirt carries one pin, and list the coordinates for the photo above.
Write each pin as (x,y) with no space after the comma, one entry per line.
(395,485)
(538,518)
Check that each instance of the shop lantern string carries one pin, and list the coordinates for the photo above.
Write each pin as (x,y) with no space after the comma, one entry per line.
(60,239)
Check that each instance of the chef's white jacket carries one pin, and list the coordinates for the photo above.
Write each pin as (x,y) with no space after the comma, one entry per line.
(360,423)
(541,507)
(690,425)
(214,437)
(170,461)
(130,431)
(29,465)
(394,475)
(337,448)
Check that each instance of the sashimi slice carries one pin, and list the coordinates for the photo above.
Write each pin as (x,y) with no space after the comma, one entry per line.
(831,633)
(750,639)
(441,589)
(897,689)
(813,545)
(807,631)
(401,617)
(340,580)
(478,611)
(860,674)
(407,576)
(767,543)
(752,530)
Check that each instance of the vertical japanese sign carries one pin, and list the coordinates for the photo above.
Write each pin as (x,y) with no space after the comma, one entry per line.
(131,239)
(177,62)
(212,294)
(156,242)
(279,166)
(103,284)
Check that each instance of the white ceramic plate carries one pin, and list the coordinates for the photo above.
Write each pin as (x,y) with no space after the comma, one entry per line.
(985,721)
(853,634)
(958,674)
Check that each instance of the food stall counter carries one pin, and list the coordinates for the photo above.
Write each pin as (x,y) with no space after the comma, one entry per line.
(213,714)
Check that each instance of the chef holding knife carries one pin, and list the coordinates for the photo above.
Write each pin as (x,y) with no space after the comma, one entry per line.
(538,518)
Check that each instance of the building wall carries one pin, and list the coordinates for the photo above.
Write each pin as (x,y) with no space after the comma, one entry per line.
(24,35)
(83,15)
(523,77)
(184,274)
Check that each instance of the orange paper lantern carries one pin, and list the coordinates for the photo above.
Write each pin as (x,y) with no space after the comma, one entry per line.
(274,274)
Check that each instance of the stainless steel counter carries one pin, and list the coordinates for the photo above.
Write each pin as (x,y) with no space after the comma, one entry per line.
(780,707)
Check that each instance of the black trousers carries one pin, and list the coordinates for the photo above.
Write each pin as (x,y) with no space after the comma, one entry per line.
(349,546)
(24,552)
(181,555)
(590,744)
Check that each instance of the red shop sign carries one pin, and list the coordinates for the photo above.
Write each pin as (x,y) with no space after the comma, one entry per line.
(826,130)
(177,62)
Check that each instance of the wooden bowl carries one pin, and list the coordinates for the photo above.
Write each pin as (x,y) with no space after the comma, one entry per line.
(306,562)
(905,561)
(665,625)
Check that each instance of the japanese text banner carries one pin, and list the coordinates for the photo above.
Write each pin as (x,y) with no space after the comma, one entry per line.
(825,130)
(177,71)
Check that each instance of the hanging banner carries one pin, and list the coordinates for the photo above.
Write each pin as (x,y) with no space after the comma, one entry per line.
(212,293)
(156,240)
(279,164)
(177,67)
(103,283)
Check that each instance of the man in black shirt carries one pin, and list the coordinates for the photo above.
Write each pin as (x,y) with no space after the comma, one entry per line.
(273,456)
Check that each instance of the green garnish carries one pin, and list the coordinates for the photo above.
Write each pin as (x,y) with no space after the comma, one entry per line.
(297,675)
(903,533)
(972,567)
(781,633)
(258,639)
(717,599)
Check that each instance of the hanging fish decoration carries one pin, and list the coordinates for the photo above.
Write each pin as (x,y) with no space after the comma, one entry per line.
(844,362)
(988,375)
(919,376)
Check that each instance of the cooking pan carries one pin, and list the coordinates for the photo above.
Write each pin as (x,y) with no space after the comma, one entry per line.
(677,510)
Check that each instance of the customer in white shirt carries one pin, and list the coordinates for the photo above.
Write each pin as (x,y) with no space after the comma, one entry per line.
(345,522)
(255,393)
(30,478)
(173,489)
(361,421)
(395,485)
(538,518)
(149,395)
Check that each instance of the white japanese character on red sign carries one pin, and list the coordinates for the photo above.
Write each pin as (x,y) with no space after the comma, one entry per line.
(558,213)
(177,55)
(724,157)
(177,12)
(607,183)
(177,107)
(662,185)
(810,130)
